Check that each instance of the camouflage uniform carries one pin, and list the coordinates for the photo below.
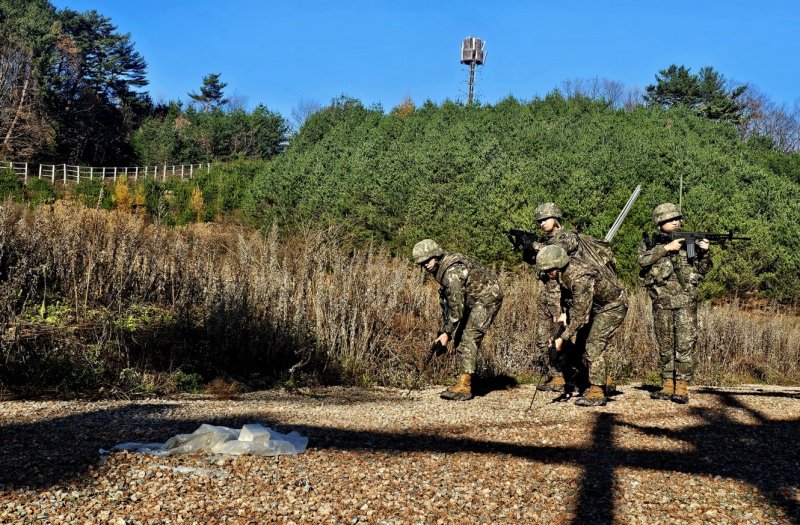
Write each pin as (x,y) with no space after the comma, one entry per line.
(596,305)
(470,297)
(549,306)
(671,281)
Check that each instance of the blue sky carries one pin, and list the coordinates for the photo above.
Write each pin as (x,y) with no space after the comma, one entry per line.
(279,53)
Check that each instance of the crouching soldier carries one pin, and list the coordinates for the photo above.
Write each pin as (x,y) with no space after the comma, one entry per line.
(595,303)
(548,217)
(671,280)
(470,297)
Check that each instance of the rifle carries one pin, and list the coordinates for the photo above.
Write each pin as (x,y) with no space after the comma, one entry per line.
(690,239)
(522,240)
(527,242)
(436,348)
(553,354)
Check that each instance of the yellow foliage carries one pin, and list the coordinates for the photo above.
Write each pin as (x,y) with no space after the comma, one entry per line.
(139,200)
(405,109)
(196,203)
(122,194)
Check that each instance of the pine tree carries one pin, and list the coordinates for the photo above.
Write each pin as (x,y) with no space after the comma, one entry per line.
(704,93)
(211,97)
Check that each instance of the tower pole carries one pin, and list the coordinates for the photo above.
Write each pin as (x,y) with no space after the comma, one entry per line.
(471,82)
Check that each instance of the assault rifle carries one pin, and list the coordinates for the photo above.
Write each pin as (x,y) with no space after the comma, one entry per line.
(522,240)
(690,239)
(554,357)
(436,349)
(527,242)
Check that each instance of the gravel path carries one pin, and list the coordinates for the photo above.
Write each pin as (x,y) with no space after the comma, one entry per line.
(379,456)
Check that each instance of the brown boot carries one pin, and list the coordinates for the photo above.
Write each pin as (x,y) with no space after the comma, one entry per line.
(593,397)
(681,394)
(556,384)
(667,390)
(461,391)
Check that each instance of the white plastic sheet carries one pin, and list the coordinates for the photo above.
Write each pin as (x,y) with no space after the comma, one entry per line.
(251,439)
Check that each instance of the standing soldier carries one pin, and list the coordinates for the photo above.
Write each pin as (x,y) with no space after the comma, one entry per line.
(548,217)
(470,297)
(595,303)
(671,281)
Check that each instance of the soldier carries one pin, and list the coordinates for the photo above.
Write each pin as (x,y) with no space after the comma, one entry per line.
(671,281)
(595,304)
(470,297)
(548,217)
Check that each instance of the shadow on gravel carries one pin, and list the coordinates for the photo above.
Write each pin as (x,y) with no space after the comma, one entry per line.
(763,454)
(792,394)
(488,384)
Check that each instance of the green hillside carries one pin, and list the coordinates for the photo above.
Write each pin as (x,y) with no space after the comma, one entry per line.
(462,174)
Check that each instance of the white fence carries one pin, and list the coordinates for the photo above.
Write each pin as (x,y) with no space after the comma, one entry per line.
(66,173)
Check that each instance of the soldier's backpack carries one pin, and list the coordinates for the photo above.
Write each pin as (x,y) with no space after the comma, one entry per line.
(598,253)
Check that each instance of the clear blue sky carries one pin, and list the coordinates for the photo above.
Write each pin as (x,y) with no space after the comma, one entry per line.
(279,52)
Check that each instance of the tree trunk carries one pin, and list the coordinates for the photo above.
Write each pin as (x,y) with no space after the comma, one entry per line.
(22,97)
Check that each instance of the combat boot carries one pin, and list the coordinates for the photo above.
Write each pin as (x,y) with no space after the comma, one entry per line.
(461,391)
(681,394)
(593,397)
(667,390)
(556,384)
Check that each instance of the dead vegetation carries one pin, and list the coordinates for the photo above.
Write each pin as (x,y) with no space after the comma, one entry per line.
(92,298)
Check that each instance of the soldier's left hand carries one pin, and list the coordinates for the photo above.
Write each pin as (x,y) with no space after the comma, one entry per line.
(703,244)
(558,343)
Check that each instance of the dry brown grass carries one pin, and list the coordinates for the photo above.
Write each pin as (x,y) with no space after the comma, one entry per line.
(247,304)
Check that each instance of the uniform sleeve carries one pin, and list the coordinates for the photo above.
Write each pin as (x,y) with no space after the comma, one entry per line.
(569,242)
(550,298)
(452,298)
(703,262)
(648,257)
(582,297)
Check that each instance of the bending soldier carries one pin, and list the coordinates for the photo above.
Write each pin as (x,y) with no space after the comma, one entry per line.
(595,304)
(671,280)
(548,217)
(470,297)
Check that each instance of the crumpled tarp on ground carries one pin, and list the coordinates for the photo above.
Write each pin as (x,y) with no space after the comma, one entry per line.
(251,439)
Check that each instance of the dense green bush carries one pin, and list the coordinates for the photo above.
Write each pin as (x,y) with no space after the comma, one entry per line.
(40,191)
(93,193)
(462,174)
(223,189)
(184,136)
(10,185)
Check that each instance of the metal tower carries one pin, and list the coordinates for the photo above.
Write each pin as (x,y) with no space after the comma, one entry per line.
(472,54)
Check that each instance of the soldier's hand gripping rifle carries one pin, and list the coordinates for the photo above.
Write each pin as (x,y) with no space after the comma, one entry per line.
(690,239)
(552,355)
(436,349)
(526,242)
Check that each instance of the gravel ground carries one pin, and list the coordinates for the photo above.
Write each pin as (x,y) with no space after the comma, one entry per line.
(379,456)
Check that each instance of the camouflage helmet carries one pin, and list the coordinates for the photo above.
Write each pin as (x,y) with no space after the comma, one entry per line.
(546,211)
(665,212)
(551,258)
(424,250)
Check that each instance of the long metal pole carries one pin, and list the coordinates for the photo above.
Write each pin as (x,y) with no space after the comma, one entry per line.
(471,81)
(621,217)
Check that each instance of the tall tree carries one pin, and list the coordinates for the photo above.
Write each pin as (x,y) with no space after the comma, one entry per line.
(211,97)
(94,89)
(704,93)
(28,40)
